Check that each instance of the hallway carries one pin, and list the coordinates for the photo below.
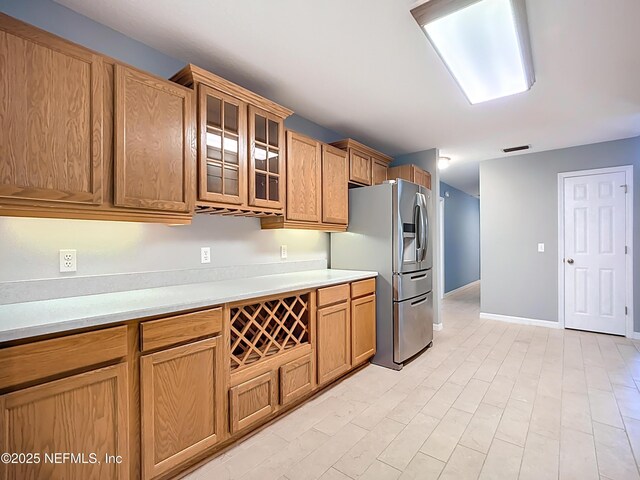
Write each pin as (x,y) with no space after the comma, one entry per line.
(489,400)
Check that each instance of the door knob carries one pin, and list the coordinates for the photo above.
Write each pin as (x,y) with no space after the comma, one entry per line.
(570,261)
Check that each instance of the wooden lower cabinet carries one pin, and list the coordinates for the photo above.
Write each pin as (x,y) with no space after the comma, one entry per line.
(363,329)
(333,345)
(182,404)
(253,400)
(296,379)
(83,414)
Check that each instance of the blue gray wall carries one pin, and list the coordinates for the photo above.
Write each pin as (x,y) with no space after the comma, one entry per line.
(519,209)
(461,237)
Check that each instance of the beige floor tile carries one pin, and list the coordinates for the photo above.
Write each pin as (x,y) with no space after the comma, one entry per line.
(465,464)
(482,428)
(333,422)
(446,435)
(442,401)
(604,408)
(597,378)
(319,461)
(471,396)
(514,424)
(331,474)
(488,369)
(503,461)
(373,414)
(576,413)
(380,471)
(412,404)
(628,400)
(615,459)
(546,417)
(550,383)
(577,456)
(464,373)
(499,391)
(573,380)
(525,388)
(402,449)
(540,459)
(299,421)
(356,461)
(422,467)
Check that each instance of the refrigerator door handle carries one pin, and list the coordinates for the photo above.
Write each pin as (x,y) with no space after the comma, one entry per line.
(424,227)
(417,220)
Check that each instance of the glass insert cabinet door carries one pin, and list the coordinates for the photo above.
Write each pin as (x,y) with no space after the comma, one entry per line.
(223,138)
(266,159)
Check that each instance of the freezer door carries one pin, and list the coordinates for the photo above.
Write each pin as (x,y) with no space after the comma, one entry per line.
(409,285)
(413,326)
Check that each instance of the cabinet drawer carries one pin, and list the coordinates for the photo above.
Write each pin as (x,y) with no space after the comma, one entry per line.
(335,294)
(252,401)
(182,328)
(363,287)
(295,379)
(39,360)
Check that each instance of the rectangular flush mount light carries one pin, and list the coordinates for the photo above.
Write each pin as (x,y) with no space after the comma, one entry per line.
(484,44)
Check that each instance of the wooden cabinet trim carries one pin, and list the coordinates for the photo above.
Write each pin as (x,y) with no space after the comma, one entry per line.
(203,194)
(349,143)
(121,75)
(363,287)
(165,332)
(150,467)
(292,388)
(30,362)
(120,428)
(334,294)
(237,423)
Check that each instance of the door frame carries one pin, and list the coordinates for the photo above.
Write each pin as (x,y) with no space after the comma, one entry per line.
(441,256)
(628,171)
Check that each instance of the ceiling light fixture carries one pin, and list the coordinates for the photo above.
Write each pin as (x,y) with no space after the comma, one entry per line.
(484,44)
(443,163)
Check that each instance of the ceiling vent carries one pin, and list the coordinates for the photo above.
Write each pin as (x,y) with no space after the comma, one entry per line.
(516,149)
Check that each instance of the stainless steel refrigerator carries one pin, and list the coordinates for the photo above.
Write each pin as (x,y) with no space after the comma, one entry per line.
(389,232)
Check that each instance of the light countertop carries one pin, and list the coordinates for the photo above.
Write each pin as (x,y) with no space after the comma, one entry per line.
(30,319)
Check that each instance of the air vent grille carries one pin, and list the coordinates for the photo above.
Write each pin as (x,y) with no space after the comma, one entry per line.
(516,149)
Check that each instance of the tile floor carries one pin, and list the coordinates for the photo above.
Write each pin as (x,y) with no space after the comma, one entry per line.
(490,400)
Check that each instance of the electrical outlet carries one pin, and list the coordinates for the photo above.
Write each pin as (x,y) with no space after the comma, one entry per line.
(205,255)
(541,247)
(68,262)
(283,252)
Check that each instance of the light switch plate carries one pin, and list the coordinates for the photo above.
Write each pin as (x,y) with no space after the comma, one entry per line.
(205,255)
(541,247)
(68,261)
(283,252)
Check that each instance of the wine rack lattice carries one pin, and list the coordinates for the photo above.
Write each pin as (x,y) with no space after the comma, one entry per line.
(264,329)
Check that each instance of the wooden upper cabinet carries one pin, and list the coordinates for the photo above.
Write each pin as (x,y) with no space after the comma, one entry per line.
(266,159)
(359,167)
(182,402)
(154,142)
(335,186)
(82,414)
(412,173)
(304,178)
(378,172)
(51,118)
(222,147)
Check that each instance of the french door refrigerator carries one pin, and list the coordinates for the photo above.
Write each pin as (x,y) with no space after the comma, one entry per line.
(389,232)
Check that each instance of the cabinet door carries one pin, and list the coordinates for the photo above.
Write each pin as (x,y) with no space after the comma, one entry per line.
(82,414)
(295,379)
(252,401)
(422,178)
(222,148)
(303,178)
(154,143)
(359,167)
(183,407)
(333,329)
(335,186)
(363,328)
(266,159)
(51,117)
(378,172)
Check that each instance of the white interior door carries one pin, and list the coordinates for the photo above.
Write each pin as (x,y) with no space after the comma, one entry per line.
(594,251)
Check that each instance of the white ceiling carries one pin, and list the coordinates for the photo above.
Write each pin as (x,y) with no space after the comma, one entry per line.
(364,68)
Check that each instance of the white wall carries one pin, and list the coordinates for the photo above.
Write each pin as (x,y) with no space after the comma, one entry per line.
(29,246)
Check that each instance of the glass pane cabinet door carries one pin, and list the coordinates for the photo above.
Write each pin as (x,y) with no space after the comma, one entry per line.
(222,147)
(266,144)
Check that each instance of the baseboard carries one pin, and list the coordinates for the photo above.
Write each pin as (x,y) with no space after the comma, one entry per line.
(464,287)
(438,326)
(520,320)
(633,336)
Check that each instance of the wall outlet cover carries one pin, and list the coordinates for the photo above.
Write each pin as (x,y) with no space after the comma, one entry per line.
(283,252)
(205,255)
(541,247)
(68,261)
